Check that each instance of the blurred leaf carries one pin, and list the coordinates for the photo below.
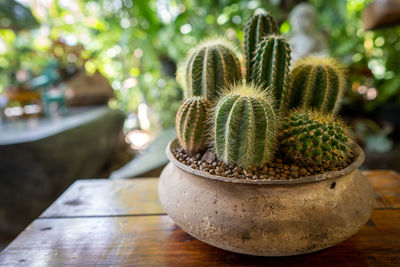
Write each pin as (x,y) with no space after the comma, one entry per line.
(16,16)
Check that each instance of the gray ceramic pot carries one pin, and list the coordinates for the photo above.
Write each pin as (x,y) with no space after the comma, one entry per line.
(265,217)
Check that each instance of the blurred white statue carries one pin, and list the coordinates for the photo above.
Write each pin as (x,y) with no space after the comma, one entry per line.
(304,37)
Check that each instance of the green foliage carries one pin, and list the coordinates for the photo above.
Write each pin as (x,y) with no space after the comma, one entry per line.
(259,26)
(244,126)
(142,40)
(210,67)
(318,83)
(271,67)
(372,56)
(135,44)
(16,16)
(314,138)
(191,124)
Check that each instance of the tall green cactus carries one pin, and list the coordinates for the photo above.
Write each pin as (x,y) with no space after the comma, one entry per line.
(259,26)
(192,124)
(318,83)
(271,67)
(244,126)
(314,138)
(209,67)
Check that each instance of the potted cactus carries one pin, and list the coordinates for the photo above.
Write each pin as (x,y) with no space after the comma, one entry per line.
(262,165)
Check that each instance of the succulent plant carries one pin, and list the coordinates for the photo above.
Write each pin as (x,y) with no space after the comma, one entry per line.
(271,67)
(192,124)
(259,26)
(314,138)
(244,126)
(246,116)
(209,67)
(318,83)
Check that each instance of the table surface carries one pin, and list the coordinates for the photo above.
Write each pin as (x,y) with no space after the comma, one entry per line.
(121,222)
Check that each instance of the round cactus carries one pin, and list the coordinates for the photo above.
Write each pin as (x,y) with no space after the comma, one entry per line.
(271,65)
(244,126)
(318,83)
(192,124)
(314,138)
(209,67)
(259,26)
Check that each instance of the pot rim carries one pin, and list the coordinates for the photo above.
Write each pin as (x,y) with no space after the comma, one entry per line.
(358,160)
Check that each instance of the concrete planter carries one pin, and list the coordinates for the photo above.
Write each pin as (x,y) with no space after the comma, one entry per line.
(268,218)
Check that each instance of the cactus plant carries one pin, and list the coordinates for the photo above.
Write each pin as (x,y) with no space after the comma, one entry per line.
(244,126)
(192,124)
(271,67)
(260,25)
(318,83)
(314,138)
(209,67)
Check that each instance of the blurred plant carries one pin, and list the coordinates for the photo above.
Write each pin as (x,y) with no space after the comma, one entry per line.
(374,137)
(371,55)
(16,16)
(135,44)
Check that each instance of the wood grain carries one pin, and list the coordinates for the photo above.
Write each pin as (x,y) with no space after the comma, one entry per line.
(387,188)
(103,197)
(120,223)
(157,241)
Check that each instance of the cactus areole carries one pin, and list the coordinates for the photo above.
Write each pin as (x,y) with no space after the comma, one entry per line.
(244,126)
(210,67)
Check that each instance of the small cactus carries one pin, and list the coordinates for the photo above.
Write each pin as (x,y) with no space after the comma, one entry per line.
(271,65)
(259,26)
(209,67)
(317,83)
(191,124)
(314,139)
(244,126)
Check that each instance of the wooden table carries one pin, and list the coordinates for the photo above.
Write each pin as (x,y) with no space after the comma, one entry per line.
(120,222)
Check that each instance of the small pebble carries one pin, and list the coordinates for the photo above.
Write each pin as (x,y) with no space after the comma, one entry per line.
(286,167)
(274,170)
(294,168)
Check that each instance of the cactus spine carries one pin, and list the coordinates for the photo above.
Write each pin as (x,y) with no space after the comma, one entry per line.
(318,83)
(314,138)
(191,124)
(271,67)
(244,126)
(209,67)
(256,29)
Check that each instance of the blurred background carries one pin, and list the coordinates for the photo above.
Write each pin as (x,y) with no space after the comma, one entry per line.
(88,90)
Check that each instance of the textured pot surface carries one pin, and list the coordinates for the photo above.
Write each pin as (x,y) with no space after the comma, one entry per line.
(265,217)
